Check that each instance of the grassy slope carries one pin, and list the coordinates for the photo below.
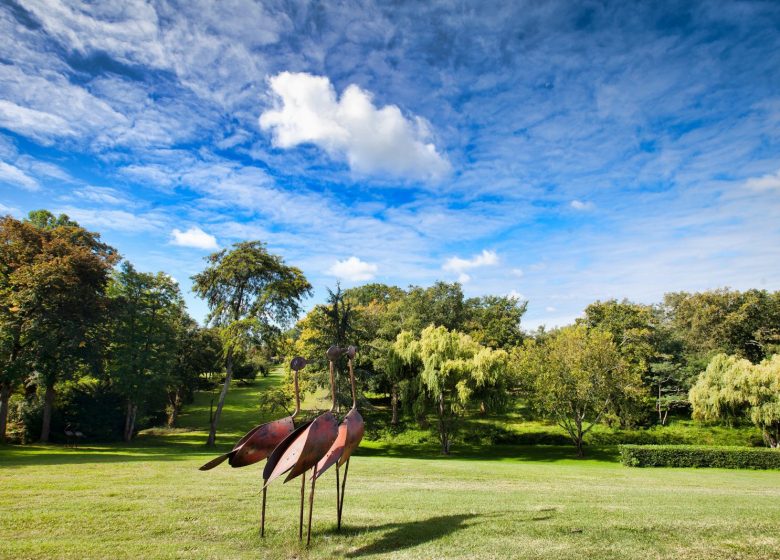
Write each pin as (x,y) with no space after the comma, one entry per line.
(149,500)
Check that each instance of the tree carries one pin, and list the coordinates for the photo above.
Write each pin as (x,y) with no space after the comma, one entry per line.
(145,313)
(250,293)
(455,370)
(60,297)
(19,244)
(733,387)
(726,321)
(633,328)
(574,377)
(494,321)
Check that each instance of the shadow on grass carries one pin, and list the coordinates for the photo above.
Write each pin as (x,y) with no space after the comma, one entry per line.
(400,536)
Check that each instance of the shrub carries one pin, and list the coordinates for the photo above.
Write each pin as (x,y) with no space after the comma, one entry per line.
(699,456)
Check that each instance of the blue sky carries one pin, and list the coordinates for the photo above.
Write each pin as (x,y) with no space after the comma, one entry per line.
(561,152)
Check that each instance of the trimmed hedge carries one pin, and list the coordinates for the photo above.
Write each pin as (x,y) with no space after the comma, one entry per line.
(699,456)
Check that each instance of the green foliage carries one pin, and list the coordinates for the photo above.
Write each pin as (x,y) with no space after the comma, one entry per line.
(742,323)
(732,387)
(699,456)
(251,294)
(455,371)
(574,378)
(494,321)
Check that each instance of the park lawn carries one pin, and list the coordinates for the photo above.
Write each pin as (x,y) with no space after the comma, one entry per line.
(148,500)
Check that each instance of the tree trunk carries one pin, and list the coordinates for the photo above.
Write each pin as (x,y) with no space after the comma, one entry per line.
(48,404)
(5,395)
(578,442)
(394,404)
(175,400)
(215,421)
(444,436)
(130,414)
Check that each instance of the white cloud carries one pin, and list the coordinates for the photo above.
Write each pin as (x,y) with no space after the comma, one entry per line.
(582,206)
(550,309)
(766,183)
(194,237)
(353,269)
(15,176)
(518,272)
(460,266)
(114,220)
(371,139)
(516,295)
(103,195)
(5,210)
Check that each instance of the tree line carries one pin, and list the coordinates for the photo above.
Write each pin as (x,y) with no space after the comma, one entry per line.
(88,341)
(437,354)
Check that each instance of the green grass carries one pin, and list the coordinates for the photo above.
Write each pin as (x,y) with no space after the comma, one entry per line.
(148,500)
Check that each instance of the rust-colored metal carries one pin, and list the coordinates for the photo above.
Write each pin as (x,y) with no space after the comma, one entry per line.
(261,440)
(304,448)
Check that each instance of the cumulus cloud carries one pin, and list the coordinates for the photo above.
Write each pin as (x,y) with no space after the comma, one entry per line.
(353,269)
(193,237)
(582,206)
(514,294)
(371,139)
(460,266)
(768,182)
(518,272)
(15,176)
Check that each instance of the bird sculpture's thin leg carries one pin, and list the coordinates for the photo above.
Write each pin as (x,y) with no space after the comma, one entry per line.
(262,518)
(300,521)
(311,504)
(338,499)
(343,490)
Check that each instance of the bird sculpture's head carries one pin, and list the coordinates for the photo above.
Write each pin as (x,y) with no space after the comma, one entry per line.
(298,363)
(351,352)
(334,353)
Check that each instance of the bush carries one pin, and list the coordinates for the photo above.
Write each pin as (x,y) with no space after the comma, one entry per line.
(699,456)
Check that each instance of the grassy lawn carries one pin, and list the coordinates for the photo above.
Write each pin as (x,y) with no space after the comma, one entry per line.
(148,500)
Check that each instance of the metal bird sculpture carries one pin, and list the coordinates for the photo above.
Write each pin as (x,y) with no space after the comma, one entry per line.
(305,447)
(350,434)
(258,443)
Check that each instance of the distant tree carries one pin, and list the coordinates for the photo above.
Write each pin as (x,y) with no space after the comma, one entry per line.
(727,321)
(733,387)
(61,300)
(494,321)
(250,293)
(456,371)
(574,377)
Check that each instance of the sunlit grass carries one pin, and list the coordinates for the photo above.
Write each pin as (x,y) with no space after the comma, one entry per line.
(404,500)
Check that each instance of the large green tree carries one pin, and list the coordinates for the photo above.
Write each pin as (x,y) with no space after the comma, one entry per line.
(250,293)
(732,387)
(575,376)
(145,313)
(60,297)
(455,371)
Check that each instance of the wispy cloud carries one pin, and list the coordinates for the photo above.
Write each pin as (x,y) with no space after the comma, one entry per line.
(12,175)
(770,182)
(582,206)
(373,140)
(194,237)
(459,265)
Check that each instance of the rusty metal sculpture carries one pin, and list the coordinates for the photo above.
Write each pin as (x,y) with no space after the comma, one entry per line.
(304,448)
(261,440)
(350,434)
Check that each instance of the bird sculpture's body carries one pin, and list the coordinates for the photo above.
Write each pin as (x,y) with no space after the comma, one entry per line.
(350,434)
(305,448)
(261,440)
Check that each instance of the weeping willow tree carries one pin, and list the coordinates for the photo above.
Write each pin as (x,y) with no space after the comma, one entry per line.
(733,387)
(456,372)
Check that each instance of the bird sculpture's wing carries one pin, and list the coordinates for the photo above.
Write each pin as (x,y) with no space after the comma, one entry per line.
(305,449)
(254,439)
(355,430)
